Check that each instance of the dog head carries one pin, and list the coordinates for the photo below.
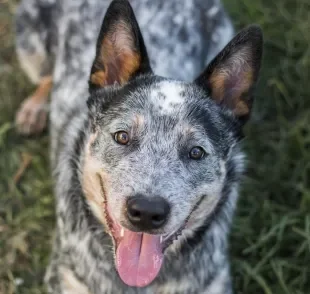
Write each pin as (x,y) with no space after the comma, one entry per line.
(156,158)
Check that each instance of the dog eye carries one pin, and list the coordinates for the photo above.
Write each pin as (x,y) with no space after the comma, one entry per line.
(196,153)
(121,137)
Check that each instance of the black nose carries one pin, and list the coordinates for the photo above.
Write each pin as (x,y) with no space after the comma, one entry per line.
(147,214)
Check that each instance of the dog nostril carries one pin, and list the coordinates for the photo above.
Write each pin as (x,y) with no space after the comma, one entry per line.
(157,218)
(135,213)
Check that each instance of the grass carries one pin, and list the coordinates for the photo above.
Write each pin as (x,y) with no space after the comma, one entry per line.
(270,242)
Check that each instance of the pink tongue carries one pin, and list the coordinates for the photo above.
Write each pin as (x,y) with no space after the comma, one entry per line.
(139,258)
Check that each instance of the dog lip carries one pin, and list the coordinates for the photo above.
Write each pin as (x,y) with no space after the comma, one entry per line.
(170,238)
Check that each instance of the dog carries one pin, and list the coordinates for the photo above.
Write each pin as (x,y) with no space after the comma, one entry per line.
(146,130)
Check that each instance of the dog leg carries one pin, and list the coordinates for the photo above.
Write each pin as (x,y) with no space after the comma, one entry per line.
(32,116)
(35,48)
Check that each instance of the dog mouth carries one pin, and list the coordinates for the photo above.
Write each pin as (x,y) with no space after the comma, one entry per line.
(139,256)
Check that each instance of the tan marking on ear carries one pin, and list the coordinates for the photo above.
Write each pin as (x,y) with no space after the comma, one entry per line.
(241,109)
(99,78)
(119,69)
(118,56)
(248,80)
(217,83)
(70,283)
(234,77)
(130,64)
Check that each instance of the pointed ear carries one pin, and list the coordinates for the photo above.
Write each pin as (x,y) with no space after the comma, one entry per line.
(121,53)
(231,76)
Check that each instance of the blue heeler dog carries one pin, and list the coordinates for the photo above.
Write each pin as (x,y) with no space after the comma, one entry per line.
(146,167)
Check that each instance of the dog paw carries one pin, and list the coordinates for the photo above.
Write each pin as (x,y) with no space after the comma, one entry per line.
(31,117)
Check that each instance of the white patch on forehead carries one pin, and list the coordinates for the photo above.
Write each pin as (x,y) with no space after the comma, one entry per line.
(167,96)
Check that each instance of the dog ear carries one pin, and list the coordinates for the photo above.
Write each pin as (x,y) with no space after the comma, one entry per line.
(231,76)
(121,53)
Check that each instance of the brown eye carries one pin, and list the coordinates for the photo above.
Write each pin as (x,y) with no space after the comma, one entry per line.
(196,153)
(121,137)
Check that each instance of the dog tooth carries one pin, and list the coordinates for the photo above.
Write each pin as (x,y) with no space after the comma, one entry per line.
(122,232)
(161,239)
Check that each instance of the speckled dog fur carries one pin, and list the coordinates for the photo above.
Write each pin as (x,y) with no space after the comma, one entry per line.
(166,116)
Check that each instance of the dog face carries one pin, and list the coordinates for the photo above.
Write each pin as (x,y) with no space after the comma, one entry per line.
(156,159)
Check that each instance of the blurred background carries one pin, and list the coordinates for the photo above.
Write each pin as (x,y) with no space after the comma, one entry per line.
(270,240)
